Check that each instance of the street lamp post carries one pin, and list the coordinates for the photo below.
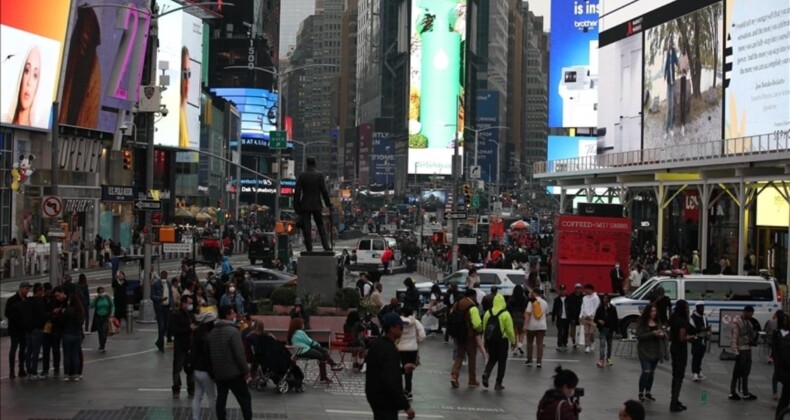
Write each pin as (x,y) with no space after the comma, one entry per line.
(275,71)
(304,149)
(477,132)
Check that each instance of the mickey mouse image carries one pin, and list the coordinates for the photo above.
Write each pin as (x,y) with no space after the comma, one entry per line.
(21,171)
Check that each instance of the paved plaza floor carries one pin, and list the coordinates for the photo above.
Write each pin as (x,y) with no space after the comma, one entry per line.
(132,381)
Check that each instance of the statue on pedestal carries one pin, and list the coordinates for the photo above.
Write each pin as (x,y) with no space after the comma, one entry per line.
(310,190)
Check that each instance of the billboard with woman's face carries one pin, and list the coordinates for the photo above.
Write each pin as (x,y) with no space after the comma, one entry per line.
(31,44)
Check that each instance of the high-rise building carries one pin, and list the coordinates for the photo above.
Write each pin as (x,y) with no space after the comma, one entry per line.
(535,112)
(291,17)
(347,85)
(314,68)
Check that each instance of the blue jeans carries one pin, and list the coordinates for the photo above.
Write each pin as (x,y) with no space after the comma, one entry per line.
(670,106)
(648,373)
(71,354)
(33,350)
(162,321)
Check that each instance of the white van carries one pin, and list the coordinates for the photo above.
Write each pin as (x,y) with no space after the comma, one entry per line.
(717,291)
(371,248)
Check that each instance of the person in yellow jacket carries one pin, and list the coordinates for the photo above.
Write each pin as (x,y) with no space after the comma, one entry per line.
(499,337)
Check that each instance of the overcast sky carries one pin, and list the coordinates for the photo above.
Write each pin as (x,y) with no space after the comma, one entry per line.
(542,8)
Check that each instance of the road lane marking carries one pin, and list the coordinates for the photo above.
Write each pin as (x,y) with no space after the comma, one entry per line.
(549,360)
(370,413)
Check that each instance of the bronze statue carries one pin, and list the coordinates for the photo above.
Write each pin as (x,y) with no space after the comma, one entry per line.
(310,189)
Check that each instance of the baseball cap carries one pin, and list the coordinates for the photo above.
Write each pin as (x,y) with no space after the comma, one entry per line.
(390,320)
(577,286)
(699,303)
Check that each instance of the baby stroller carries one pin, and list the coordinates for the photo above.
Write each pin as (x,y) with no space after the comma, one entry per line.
(275,364)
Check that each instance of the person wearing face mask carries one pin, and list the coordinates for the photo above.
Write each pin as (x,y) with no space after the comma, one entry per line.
(233,299)
(617,276)
(182,326)
(559,403)
(104,308)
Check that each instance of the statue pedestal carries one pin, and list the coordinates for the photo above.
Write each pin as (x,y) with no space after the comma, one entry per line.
(318,275)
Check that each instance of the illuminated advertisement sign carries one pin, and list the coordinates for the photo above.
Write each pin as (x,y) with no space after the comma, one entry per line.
(564,147)
(436,114)
(487,141)
(573,65)
(772,208)
(383,159)
(181,45)
(104,62)
(365,135)
(682,79)
(31,45)
(757,74)
(433,200)
(258,109)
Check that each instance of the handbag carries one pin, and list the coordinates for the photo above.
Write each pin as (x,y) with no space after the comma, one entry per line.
(580,335)
(47,327)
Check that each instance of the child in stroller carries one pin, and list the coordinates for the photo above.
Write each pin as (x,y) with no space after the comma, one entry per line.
(271,360)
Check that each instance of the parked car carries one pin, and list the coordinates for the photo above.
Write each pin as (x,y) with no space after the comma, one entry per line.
(505,280)
(266,280)
(262,246)
(718,292)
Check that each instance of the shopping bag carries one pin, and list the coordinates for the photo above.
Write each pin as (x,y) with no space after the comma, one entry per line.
(114,326)
(580,334)
(430,322)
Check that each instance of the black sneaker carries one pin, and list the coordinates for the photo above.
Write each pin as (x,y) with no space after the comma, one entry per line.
(409,396)
(22,374)
(734,397)
(749,397)
(485,381)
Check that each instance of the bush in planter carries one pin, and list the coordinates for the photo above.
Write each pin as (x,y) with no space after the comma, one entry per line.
(284,295)
(264,307)
(347,298)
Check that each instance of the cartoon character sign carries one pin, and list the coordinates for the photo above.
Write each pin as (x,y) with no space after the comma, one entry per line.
(21,171)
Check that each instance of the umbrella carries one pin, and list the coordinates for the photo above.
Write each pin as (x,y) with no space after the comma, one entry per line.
(519,225)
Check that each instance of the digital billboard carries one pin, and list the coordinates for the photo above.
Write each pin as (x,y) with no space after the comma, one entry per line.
(573,64)
(31,46)
(757,74)
(620,111)
(383,159)
(258,108)
(104,62)
(487,115)
(682,79)
(565,147)
(365,135)
(433,200)
(181,45)
(436,113)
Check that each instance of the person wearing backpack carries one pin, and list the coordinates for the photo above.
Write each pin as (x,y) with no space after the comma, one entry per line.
(463,325)
(499,336)
(535,325)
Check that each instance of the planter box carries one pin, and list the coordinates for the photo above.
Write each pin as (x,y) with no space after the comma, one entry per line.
(281,309)
(332,311)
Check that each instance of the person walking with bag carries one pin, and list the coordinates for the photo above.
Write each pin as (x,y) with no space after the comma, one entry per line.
(229,364)
(499,337)
(199,363)
(536,326)
(104,308)
(463,325)
(409,345)
(607,321)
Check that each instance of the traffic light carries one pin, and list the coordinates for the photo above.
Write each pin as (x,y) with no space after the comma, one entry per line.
(467,194)
(127,159)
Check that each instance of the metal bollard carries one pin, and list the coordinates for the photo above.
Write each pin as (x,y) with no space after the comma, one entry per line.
(130,318)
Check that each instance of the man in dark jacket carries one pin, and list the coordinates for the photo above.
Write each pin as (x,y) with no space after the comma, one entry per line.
(38,317)
(412,297)
(182,325)
(560,318)
(229,364)
(383,384)
(56,304)
(310,189)
(19,326)
(574,304)
(607,321)
(616,276)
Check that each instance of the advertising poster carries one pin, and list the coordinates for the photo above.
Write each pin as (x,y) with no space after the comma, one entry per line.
(365,145)
(258,108)
(104,62)
(620,110)
(772,208)
(564,147)
(32,35)
(487,141)
(573,64)
(682,80)
(383,159)
(758,84)
(433,200)
(181,45)
(436,114)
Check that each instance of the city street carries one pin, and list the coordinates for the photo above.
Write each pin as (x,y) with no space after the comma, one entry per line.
(132,381)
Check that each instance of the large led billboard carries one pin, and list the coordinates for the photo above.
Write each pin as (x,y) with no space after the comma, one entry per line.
(757,72)
(258,108)
(31,44)
(620,111)
(104,61)
(487,115)
(181,45)
(682,79)
(436,114)
(573,64)
(565,147)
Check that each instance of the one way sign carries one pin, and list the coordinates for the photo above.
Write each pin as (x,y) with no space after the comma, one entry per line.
(149,205)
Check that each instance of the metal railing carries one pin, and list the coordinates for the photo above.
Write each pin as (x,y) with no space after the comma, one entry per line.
(724,148)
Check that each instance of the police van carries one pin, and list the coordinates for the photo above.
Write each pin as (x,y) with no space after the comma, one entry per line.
(716,291)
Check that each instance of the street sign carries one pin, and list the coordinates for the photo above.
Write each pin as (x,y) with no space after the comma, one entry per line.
(148,205)
(177,248)
(278,140)
(476,201)
(56,233)
(457,215)
(51,207)
(467,241)
(474,173)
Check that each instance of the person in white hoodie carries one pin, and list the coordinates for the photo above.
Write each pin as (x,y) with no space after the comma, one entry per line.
(409,345)
(590,304)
